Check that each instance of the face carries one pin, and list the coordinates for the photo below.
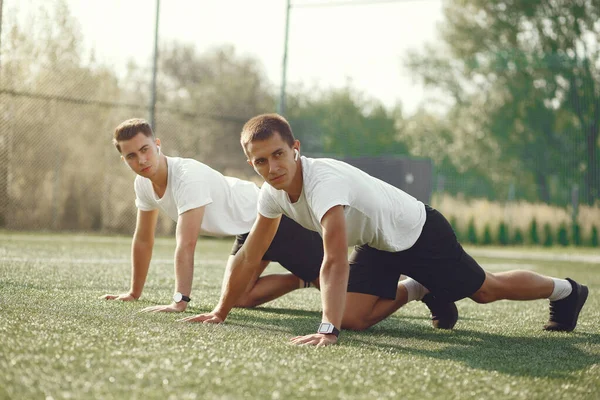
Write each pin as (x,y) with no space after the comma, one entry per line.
(141,154)
(273,159)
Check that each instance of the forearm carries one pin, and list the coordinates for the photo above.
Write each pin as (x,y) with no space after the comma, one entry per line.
(141,254)
(184,269)
(334,284)
(240,275)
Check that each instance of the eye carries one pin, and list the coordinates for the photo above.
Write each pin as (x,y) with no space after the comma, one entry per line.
(259,162)
(129,156)
(144,149)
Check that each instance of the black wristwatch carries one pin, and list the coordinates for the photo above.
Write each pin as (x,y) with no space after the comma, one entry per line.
(327,328)
(178,298)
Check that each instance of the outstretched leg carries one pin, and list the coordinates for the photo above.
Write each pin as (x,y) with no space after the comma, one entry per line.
(566,296)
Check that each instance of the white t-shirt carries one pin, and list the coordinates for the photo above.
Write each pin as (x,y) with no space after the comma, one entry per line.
(377,213)
(230,202)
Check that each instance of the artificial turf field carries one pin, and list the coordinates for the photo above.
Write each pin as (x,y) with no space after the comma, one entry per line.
(58,340)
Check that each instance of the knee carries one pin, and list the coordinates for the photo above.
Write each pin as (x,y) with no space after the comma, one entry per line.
(355,324)
(490,290)
(246,302)
(483,297)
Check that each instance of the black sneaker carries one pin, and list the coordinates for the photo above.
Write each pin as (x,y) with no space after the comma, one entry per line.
(564,313)
(443,314)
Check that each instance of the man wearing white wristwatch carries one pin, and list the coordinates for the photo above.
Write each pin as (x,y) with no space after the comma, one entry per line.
(204,202)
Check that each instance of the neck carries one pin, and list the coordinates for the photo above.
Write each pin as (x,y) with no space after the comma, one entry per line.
(295,189)
(159,180)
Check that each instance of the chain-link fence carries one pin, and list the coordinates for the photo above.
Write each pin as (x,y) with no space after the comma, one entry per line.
(59,106)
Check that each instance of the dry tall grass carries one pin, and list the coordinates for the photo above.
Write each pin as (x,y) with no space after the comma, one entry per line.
(515,215)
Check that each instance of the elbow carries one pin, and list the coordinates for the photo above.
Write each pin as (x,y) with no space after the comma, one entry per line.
(186,246)
(334,266)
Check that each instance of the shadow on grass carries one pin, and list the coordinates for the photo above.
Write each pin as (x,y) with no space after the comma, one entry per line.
(551,355)
(554,355)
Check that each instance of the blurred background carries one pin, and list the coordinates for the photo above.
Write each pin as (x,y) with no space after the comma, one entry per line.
(499,100)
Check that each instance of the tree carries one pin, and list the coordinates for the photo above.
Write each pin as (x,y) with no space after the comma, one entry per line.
(52,131)
(206,98)
(529,67)
(343,122)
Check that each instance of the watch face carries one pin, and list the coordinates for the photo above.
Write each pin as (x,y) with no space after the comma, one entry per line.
(177,297)
(325,327)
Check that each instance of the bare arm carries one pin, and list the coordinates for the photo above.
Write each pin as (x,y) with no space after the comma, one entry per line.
(333,276)
(141,254)
(245,263)
(188,229)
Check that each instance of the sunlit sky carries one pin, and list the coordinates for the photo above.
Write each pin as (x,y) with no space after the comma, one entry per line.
(328,46)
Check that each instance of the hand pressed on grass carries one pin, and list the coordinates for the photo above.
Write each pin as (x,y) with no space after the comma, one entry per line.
(314,339)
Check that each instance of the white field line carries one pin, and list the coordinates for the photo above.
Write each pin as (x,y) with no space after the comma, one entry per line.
(89,260)
(538,256)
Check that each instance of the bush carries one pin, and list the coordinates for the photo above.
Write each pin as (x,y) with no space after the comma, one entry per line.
(471,232)
(563,235)
(454,225)
(518,238)
(548,238)
(576,235)
(503,234)
(487,234)
(534,236)
(594,238)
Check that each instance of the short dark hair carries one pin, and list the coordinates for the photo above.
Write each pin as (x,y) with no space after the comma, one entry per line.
(264,126)
(128,129)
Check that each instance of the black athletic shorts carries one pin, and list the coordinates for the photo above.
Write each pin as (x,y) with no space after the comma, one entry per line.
(436,260)
(297,249)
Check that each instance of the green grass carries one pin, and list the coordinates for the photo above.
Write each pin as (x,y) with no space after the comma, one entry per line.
(57,340)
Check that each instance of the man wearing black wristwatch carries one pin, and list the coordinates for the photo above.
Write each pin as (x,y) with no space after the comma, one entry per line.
(392,233)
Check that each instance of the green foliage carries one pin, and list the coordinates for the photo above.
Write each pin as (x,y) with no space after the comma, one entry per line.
(472,232)
(343,122)
(534,236)
(487,234)
(522,75)
(563,235)
(503,235)
(518,238)
(548,235)
(594,237)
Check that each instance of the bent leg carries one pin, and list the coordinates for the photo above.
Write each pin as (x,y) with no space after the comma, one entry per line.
(365,310)
(263,289)
(514,285)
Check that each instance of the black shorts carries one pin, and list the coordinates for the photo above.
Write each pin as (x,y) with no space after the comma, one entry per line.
(297,249)
(436,260)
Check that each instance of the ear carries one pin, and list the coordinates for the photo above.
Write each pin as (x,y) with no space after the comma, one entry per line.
(157,141)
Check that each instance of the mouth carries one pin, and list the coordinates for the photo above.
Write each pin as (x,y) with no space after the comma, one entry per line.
(277,179)
(146,169)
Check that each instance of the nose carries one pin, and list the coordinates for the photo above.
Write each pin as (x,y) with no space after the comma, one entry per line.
(273,167)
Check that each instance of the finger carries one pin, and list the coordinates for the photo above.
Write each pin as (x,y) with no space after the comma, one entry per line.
(147,309)
(301,339)
(194,318)
(107,297)
(213,319)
